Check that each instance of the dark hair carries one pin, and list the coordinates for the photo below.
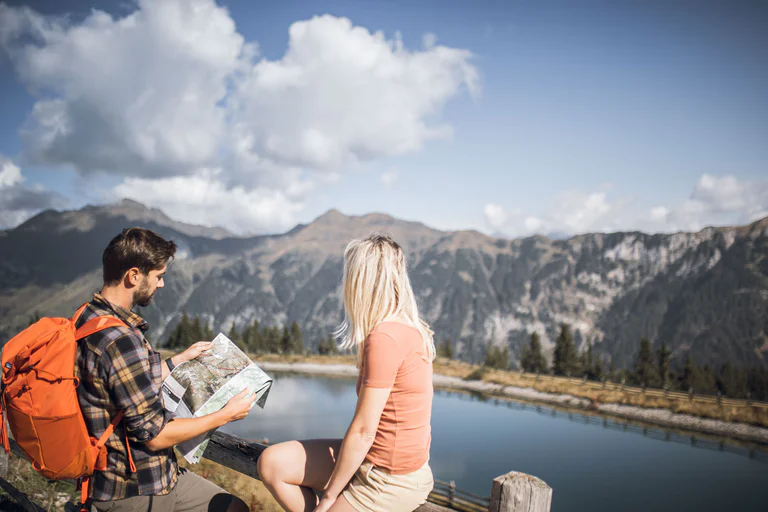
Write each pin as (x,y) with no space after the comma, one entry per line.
(135,247)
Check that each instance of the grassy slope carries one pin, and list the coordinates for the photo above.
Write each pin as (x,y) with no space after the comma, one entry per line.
(53,495)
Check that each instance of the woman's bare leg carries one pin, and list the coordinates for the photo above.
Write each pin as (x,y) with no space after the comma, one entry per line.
(342,505)
(292,470)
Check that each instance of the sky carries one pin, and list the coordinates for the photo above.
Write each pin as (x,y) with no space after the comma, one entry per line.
(508,117)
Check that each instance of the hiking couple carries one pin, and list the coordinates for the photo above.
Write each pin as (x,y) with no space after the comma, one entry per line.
(381,464)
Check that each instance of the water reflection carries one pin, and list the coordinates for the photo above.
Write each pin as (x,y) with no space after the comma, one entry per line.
(703,441)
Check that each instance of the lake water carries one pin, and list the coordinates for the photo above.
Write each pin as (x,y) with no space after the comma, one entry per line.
(590,468)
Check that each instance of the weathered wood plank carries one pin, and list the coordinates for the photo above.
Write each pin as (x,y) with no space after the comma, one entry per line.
(433,507)
(234,453)
(518,492)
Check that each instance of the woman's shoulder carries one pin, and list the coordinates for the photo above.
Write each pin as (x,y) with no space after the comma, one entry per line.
(396,329)
(398,332)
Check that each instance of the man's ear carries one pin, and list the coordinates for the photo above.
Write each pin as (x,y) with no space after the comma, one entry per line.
(132,277)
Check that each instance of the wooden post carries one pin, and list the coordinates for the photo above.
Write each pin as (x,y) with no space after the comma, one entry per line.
(518,492)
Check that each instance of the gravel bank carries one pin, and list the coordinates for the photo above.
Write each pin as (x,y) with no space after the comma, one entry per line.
(662,417)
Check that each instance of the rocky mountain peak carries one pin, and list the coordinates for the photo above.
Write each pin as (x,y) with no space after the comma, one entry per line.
(703,294)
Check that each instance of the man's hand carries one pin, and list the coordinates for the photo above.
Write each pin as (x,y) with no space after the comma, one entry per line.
(325,504)
(192,352)
(238,406)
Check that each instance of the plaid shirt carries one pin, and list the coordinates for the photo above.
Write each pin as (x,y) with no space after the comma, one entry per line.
(119,370)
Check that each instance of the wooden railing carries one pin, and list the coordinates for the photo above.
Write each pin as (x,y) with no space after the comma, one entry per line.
(446,494)
(512,492)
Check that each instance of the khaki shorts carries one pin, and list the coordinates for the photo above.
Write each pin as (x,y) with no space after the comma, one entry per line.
(192,493)
(377,490)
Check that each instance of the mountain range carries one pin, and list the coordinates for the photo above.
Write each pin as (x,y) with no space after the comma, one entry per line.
(704,294)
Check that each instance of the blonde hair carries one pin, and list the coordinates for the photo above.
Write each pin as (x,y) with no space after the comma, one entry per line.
(377,289)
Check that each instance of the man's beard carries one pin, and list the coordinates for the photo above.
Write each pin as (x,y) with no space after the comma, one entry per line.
(143,297)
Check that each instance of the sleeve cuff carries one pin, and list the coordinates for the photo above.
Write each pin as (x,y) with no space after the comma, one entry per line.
(373,383)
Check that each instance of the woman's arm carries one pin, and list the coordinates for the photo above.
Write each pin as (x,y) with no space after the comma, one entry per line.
(356,443)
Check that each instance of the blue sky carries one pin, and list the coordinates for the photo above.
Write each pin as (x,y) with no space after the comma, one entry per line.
(551,117)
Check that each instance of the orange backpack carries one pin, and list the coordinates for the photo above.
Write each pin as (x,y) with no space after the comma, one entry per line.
(39,400)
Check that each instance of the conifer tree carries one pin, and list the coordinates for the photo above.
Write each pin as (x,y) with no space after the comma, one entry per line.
(445,349)
(327,346)
(565,360)
(185,336)
(663,356)
(690,374)
(497,358)
(644,371)
(532,359)
(597,369)
(256,338)
(197,329)
(234,335)
(297,340)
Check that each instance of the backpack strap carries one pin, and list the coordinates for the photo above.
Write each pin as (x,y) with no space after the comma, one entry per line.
(79,312)
(111,428)
(91,327)
(3,428)
(97,324)
(84,483)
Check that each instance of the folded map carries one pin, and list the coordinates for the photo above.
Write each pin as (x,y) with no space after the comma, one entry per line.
(205,385)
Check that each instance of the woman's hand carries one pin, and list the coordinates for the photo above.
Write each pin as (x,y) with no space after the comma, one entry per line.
(192,352)
(326,503)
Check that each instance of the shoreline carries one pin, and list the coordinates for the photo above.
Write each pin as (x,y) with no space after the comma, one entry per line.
(662,417)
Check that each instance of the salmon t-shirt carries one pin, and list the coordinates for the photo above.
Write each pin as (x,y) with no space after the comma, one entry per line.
(392,358)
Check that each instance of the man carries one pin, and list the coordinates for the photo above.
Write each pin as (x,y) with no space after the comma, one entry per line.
(119,371)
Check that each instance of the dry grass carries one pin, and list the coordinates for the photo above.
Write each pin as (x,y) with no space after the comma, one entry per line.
(51,495)
(575,387)
(250,490)
(277,358)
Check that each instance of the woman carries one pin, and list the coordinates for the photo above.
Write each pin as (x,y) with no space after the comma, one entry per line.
(382,464)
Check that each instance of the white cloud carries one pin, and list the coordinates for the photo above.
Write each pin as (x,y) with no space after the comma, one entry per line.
(495,215)
(341,95)
(18,201)
(389,178)
(714,201)
(173,89)
(139,95)
(10,174)
(572,211)
(429,40)
(204,200)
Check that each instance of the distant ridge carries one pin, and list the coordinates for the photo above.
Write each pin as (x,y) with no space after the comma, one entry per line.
(704,294)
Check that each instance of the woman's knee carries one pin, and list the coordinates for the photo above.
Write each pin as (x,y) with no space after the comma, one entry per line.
(268,464)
